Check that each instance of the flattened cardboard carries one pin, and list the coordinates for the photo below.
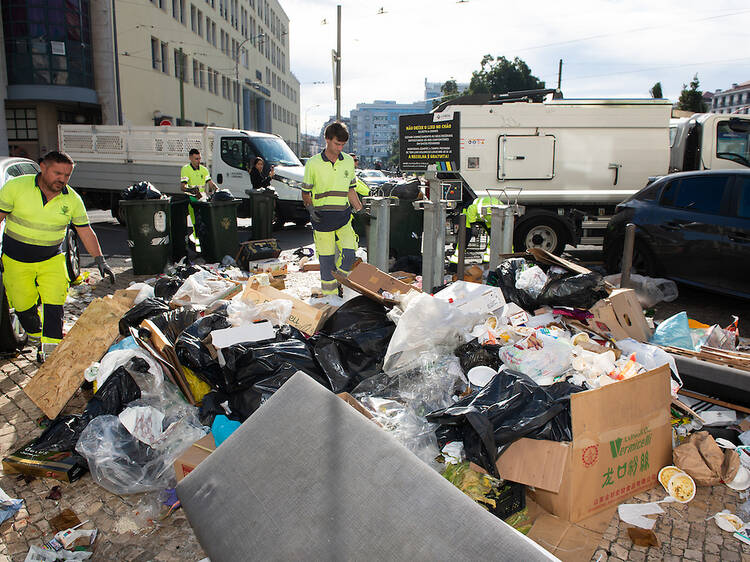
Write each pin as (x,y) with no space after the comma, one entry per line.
(620,316)
(197,453)
(354,403)
(304,317)
(543,256)
(621,438)
(369,281)
(88,340)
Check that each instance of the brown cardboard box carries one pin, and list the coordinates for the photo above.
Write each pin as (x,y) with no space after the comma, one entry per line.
(304,317)
(196,454)
(272,266)
(369,281)
(620,316)
(621,439)
(65,466)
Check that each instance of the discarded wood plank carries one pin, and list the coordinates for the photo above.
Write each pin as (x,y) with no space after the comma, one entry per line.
(88,340)
(705,398)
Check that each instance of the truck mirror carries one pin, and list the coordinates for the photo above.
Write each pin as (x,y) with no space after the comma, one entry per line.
(739,125)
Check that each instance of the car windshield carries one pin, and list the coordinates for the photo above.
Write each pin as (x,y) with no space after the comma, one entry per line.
(274,151)
(732,145)
(373,174)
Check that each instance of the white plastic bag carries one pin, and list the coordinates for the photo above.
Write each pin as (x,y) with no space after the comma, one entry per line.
(544,364)
(145,291)
(100,372)
(650,291)
(651,357)
(202,288)
(531,280)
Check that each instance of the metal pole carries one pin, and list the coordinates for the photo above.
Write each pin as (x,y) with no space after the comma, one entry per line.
(559,75)
(627,255)
(461,250)
(237,80)
(378,237)
(497,229)
(182,87)
(509,220)
(338,62)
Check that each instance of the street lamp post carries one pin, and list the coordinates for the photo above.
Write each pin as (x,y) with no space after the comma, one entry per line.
(237,70)
(307,134)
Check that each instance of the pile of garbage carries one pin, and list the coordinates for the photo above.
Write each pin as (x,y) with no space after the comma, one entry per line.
(472,379)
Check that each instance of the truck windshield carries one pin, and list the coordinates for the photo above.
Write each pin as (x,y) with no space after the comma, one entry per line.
(274,151)
(732,145)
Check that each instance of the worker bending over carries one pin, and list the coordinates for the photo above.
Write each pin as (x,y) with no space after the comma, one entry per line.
(196,182)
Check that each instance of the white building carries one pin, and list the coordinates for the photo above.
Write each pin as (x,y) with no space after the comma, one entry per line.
(374,127)
(734,100)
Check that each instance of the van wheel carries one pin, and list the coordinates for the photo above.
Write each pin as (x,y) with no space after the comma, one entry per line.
(72,255)
(118,212)
(540,232)
(279,220)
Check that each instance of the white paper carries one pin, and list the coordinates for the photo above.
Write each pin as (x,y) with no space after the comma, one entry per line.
(143,422)
(258,331)
(473,297)
(634,514)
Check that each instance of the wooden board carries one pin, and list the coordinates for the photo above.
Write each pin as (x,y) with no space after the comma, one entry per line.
(62,374)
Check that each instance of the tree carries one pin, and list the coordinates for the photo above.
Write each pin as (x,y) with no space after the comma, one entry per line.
(655,91)
(692,99)
(499,76)
(449,90)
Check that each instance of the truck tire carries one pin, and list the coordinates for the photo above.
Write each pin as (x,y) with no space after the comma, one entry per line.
(541,231)
(118,212)
(644,262)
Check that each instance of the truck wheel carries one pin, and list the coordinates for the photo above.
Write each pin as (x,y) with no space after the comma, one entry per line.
(540,232)
(72,255)
(118,212)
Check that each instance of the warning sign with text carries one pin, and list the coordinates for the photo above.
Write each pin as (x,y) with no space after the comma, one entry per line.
(431,138)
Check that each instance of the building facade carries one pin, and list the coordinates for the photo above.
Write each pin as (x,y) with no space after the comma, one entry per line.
(432,91)
(734,100)
(149,62)
(374,127)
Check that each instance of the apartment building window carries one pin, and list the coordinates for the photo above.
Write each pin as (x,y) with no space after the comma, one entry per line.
(235,13)
(259,75)
(202,75)
(265,12)
(235,48)
(274,111)
(178,10)
(164,57)
(210,3)
(223,12)
(223,41)
(213,33)
(268,76)
(196,74)
(216,82)
(200,23)
(245,58)
(21,124)
(210,73)
(159,3)
(155,54)
(193,19)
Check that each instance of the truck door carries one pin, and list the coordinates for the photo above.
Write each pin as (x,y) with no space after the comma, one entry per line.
(527,157)
(732,149)
(231,169)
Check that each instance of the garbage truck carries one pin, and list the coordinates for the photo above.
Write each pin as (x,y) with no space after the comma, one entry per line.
(567,163)
(111,158)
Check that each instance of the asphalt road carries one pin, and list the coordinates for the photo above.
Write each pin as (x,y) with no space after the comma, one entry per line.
(703,306)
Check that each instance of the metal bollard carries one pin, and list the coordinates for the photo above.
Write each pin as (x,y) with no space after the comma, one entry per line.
(501,233)
(627,255)
(379,230)
(433,240)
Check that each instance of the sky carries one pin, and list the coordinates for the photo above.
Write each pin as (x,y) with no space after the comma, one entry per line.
(610,48)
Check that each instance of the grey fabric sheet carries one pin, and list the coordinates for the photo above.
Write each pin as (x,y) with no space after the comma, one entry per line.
(307,477)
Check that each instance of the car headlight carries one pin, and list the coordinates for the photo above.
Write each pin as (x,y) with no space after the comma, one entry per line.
(290,182)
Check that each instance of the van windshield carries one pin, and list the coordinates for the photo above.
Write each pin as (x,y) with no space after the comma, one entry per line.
(732,145)
(274,151)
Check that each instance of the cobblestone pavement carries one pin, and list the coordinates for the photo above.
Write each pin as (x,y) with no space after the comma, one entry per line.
(683,532)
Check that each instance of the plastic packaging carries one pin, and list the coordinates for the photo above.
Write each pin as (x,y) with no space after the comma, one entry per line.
(674,331)
(193,353)
(145,291)
(98,373)
(650,291)
(531,280)
(541,357)
(8,506)
(140,190)
(575,291)
(140,312)
(505,278)
(174,322)
(165,287)
(202,288)
(651,357)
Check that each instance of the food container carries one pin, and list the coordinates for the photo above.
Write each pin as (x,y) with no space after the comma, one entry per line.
(681,487)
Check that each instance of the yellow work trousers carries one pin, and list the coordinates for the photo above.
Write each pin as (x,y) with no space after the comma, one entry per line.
(326,244)
(28,283)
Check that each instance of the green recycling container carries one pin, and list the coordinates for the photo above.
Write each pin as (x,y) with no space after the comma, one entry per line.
(216,226)
(148,222)
(262,202)
(179,229)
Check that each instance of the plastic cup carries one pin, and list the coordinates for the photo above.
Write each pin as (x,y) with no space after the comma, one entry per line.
(480,375)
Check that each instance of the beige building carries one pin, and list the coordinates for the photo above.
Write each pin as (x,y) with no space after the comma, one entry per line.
(178,62)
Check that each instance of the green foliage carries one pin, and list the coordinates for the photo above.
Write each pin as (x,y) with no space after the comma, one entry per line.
(449,90)
(499,76)
(655,91)
(691,99)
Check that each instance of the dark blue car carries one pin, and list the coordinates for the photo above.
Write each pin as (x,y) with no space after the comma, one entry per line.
(691,227)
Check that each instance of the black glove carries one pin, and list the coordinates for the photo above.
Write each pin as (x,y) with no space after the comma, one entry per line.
(314,216)
(365,215)
(104,269)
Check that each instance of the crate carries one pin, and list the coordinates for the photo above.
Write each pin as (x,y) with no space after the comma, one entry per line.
(512,500)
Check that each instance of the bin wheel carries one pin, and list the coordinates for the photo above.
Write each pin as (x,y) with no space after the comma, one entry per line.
(72,255)
(118,212)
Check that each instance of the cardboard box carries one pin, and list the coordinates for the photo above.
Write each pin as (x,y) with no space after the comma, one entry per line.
(304,317)
(274,267)
(66,466)
(369,281)
(196,454)
(621,439)
(620,316)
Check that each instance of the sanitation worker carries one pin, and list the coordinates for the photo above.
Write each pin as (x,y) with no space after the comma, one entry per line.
(328,192)
(196,182)
(37,210)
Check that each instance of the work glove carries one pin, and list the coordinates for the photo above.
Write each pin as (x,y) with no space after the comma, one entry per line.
(104,269)
(314,216)
(365,215)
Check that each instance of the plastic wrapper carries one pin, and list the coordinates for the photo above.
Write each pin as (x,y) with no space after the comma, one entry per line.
(98,373)
(511,406)
(145,291)
(650,291)
(575,291)
(651,357)
(531,280)
(674,331)
(352,343)
(195,355)
(202,288)
(139,191)
(165,287)
(427,325)
(221,195)
(505,278)
(174,322)
(275,311)
(541,357)
(140,312)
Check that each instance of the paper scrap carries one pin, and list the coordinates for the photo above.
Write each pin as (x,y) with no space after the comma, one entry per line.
(143,422)
(257,331)
(634,514)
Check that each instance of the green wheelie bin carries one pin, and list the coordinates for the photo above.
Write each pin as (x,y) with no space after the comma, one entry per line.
(216,226)
(149,238)
(262,203)
(179,228)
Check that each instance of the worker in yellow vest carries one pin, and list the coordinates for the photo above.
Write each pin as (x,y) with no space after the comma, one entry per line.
(328,192)
(196,182)
(37,210)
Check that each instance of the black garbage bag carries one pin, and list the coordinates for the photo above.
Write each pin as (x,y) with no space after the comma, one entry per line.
(165,287)
(140,312)
(505,278)
(222,195)
(473,354)
(174,322)
(139,191)
(185,271)
(117,391)
(352,343)
(511,406)
(193,353)
(575,291)
(406,189)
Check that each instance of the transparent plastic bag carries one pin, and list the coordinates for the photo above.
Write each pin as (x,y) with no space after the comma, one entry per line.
(650,291)
(541,357)
(531,280)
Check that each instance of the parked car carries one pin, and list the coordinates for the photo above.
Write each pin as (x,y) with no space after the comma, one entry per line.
(12,167)
(373,178)
(692,227)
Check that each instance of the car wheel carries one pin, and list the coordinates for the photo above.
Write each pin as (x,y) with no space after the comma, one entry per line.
(72,255)
(643,260)
(301,222)
(540,232)
(279,220)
